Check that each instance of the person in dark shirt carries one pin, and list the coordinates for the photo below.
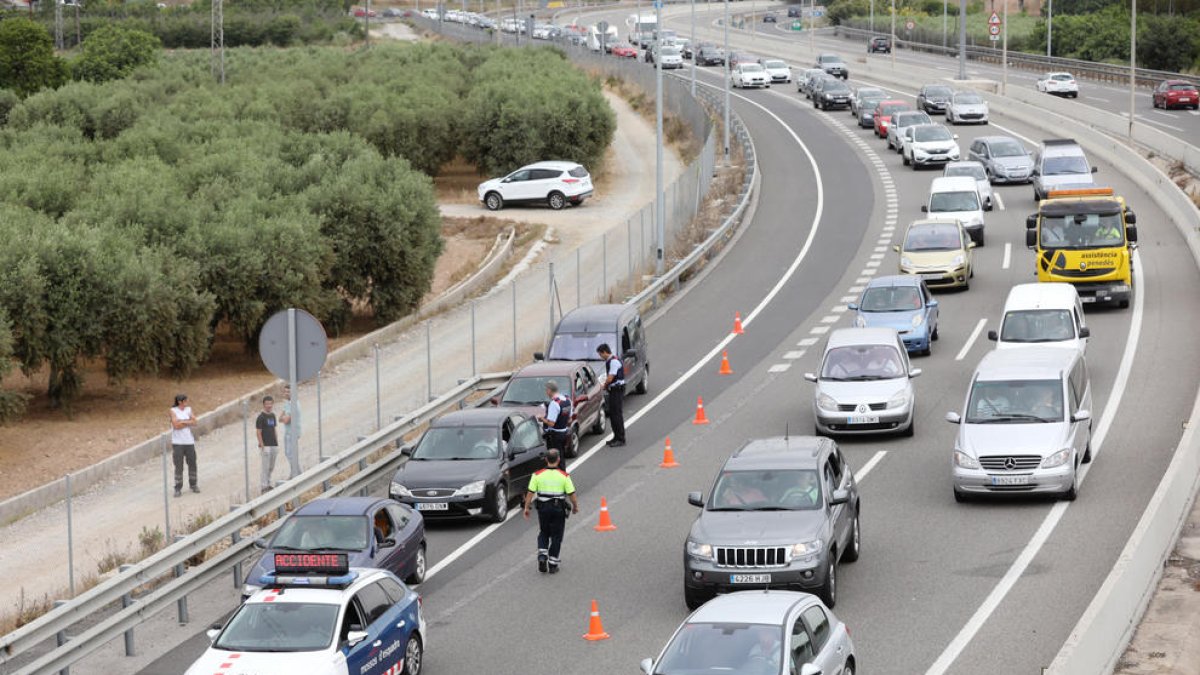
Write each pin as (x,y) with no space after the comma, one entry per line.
(268,441)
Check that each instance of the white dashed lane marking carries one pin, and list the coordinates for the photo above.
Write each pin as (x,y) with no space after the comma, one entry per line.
(819,330)
(779,367)
(1007,255)
(794,355)
(807,342)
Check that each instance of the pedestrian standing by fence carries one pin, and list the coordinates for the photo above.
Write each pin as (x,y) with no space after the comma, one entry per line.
(290,418)
(183,443)
(268,441)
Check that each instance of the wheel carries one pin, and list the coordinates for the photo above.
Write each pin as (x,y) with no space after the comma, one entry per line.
(601,424)
(693,598)
(928,351)
(855,547)
(413,655)
(1087,453)
(1123,304)
(418,574)
(644,385)
(1073,492)
(499,510)
(493,201)
(828,591)
(934,336)
(911,429)
(906,162)
(982,240)
(556,200)
(960,497)
(849,668)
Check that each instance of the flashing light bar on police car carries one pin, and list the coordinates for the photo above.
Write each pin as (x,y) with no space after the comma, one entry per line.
(310,569)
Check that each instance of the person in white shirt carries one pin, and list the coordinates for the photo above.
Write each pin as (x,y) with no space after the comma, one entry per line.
(290,418)
(183,443)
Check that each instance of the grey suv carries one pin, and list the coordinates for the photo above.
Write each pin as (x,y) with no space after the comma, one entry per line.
(781,514)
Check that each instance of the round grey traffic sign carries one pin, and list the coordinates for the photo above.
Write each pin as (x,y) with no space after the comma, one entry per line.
(310,341)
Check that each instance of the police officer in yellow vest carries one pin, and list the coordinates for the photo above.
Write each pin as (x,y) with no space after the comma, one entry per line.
(551,489)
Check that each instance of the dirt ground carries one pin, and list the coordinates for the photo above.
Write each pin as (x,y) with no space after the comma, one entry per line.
(47,443)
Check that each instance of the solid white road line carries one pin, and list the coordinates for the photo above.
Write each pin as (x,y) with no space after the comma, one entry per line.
(1007,255)
(999,200)
(971,340)
(1014,573)
(866,468)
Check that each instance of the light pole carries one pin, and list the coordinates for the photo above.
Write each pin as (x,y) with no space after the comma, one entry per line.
(871,24)
(892,43)
(725,65)
(694,46)
(1004,54)
(1132,61)
(945,21)
(1049,25)
(660,206)
(962,39)
(812,26)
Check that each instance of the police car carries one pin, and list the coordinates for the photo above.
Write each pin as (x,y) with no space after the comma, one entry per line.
(316,615)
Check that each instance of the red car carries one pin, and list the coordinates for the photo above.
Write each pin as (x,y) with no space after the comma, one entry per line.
(1176,94)
(625,50)
(360,12)
(575,379)
(884,112)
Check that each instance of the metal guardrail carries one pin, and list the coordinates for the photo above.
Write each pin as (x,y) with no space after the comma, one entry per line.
(164,562)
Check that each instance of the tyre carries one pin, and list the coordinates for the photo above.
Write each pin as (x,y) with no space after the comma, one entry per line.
(693,598)
(960,497)
(911,429)
(855,547)
(601,424)
(556,200)
(934,335)
(644,385)
(572,449)
(493,201)
(1087,453)
(828,590)
(413,655)
(849,669)
(418,573)
(1073,492)
(906,162)
(499,508)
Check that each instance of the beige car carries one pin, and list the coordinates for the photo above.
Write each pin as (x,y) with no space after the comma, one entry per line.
(938,251)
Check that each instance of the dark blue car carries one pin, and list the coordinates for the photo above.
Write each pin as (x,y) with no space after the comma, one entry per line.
(374,532)
(902,302)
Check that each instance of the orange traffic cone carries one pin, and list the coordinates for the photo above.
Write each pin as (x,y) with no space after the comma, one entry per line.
(595,626)
(605,524)
(668,457)
(725,369)
(701,418)
(737,323)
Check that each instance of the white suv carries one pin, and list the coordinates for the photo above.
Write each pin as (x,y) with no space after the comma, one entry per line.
(554,183)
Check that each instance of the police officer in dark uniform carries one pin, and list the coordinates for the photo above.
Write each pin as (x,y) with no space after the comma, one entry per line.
(557,422)
(551,488)
(614,385)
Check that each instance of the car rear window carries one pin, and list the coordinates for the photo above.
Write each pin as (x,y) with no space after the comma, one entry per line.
(578,172)
(1183,87)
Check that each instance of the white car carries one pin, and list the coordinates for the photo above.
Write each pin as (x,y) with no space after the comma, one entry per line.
(777,70)
(555,184)
(967,106)
(926,144)
(979,173)
(1062,84)
(749,75)
(672,56)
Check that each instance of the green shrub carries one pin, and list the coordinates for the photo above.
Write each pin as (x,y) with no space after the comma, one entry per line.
(112,52)
(27,60)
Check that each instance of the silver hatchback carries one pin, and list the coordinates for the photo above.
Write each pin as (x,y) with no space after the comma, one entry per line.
(865,384)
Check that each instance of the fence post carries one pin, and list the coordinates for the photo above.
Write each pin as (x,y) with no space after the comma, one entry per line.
(378,393)
(60,638)
(513,283)
(181,603)
(320,440)
(578,277)
(428,361)
(70,541)
(126,601)
(234,539)
(246,444)
(166,498)
(474,368)
(629,249)
(604,265)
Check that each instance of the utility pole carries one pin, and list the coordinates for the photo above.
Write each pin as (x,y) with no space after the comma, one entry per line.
(1049,26)
(692,42)
(660,207)
(218,40)
(892,44)
(871,25)
(78,31)
(1132,62)
(962,39)
(812,27)
(58,25)
(945,21)
(725,65)
(367,24)
(1004,54)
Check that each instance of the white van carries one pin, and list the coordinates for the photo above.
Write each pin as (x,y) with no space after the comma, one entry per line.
(957,198)
(1045,314)
(597,40)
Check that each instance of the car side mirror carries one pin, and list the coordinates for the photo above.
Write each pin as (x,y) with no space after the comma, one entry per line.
(1030,238)
(924,208)
(648,666)
(955,136)
(539,356)
(1095,169)
(1130,217)
(696,499)
(1031,221)
(355,636)
(839,497)
(953,418)
(495,401)
(993,336)
(915,372)
(1131,233)
(1085,332)
(811,377)
(1081,416)
(212,633)
(406,451)
(971,244)
(933,303)
(853,306)
(810,669)
(1035,172)
(896,248)
(260,543)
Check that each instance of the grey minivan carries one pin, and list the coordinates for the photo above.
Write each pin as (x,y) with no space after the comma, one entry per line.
(584,329)
(1027,424)
(865,384)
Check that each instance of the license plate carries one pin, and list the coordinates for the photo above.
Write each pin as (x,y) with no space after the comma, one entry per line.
(432,506)
(1010,480)
(864,419)
(1185,100)
(1088,298)
(931,275)
(749,578)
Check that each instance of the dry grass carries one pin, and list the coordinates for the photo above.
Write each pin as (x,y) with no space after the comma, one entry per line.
(678,133)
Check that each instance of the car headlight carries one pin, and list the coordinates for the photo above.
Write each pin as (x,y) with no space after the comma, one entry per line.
(250,589)
(899,400)
(959,261)
(860,321)
(399,490)
(826,402)
(964,461)
(470,489)
(917,320)
(698,550)
(806,548)
(1057,459)
(905,262)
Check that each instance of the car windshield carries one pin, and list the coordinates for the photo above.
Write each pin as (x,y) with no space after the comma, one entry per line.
(869,103)
(950,202)
(941,237)
(939,91)
(743,648)
(766,490)
(751,68)
(532,390)
(310,533)
(279,627)
(891,299)
(968,99)
(892,108)
(774,65)
(1182,87)
(835,87)
(1091,230)
(975,171)
(579,346)
(448,443)
(1064,165)
(1015,401)
(869,92)
(1038,325)
(932,133)
(670,51)
(1007,148)
(862,363)
(829,58)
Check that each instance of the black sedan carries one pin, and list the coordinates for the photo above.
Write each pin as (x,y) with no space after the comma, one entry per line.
(471,463)
(770,18)
(375,532)
(709,55)
(934,98)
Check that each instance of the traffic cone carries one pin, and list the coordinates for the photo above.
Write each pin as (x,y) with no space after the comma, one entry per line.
(595,626)
(605,524)
(725,369)
(737,323)
(668,457)
(701,418)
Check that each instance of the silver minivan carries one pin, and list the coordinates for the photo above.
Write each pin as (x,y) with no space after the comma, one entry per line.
(865,384)
(1026,426)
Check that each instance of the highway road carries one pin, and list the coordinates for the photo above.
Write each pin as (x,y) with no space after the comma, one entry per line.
(941,587)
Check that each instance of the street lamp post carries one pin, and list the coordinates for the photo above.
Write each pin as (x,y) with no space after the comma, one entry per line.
(1004,54)
(871,24)
(694,45)
(1132,62)
(1049,25)
(892,44)
(945,21)
(725,64)
(660,207)
(962,39)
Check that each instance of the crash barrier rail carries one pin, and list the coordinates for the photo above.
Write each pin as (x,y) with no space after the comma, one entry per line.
(226,528)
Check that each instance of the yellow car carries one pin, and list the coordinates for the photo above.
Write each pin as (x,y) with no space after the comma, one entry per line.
(938,251)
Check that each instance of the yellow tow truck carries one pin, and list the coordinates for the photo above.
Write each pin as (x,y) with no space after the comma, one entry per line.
(1085,237)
